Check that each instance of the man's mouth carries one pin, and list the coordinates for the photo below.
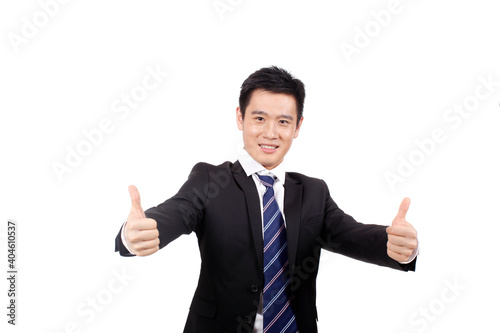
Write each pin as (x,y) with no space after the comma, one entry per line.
(268,148)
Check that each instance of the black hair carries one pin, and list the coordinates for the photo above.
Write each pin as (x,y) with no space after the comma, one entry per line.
(275,80)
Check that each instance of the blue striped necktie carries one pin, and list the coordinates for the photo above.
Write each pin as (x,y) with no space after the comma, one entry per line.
(277,310)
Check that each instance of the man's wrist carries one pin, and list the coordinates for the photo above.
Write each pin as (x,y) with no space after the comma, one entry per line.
(122,235)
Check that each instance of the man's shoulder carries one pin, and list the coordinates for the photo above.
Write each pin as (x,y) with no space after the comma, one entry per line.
(303,179)
(205,170)
(227,165)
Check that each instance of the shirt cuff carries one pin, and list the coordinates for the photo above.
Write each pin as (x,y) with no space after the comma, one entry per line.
(122,235)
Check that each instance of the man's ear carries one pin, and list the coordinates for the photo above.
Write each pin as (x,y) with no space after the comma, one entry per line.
(296,134)
(239,118)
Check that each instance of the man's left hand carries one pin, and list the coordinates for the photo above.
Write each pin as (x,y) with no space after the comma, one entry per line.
(402,237)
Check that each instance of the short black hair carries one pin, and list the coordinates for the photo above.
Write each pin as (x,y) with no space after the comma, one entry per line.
(275,80)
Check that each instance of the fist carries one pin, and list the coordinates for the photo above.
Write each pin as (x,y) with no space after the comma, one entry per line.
(402,237)
(141,233)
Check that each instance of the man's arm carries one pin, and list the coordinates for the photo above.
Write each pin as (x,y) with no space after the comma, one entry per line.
(147,232)
(366,242)
(120,245)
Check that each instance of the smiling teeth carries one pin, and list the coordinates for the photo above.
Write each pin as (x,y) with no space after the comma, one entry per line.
(268,147)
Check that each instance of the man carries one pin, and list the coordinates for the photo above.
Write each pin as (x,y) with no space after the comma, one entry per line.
(260,229)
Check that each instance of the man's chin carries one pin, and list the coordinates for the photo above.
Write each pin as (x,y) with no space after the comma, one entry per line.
(264,159)
(270,164)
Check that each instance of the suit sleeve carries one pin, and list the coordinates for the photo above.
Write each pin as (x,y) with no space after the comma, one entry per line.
(120,247)
(366,242)
(181,214)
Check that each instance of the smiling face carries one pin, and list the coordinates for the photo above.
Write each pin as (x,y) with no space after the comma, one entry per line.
(269,126)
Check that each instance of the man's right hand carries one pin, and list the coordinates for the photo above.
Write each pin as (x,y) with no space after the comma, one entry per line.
(141,233)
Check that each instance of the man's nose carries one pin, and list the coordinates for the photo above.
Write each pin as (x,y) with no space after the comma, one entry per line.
(270,131)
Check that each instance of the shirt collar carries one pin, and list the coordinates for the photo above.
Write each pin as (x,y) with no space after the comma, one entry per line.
(251,166)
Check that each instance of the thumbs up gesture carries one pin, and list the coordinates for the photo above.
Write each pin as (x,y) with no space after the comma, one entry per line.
(402,237)
(141,233)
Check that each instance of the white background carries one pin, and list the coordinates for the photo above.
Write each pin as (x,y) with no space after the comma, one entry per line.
(360,117)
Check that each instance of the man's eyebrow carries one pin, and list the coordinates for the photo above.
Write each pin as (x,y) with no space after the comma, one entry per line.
(286,116)
(264,113)
(259,112)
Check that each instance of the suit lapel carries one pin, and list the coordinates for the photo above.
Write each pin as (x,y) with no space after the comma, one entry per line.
(253,209)
(293,206)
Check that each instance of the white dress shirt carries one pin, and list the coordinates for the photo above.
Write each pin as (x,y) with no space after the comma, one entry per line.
(253,168)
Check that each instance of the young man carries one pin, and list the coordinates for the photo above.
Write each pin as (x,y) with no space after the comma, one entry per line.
(260,229)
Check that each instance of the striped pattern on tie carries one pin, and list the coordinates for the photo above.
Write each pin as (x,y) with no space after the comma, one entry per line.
(277,311)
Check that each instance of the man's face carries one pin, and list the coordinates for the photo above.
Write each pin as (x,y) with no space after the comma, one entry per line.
(269,126)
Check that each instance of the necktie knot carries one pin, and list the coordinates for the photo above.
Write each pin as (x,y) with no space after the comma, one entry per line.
(268,181)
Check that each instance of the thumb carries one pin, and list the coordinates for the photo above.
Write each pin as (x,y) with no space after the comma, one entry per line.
(403,209)
(136,210)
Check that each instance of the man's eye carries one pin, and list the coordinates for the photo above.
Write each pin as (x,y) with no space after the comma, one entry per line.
(284,122)
(259,119)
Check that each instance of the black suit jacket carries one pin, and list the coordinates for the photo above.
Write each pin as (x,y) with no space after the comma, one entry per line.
(221,205)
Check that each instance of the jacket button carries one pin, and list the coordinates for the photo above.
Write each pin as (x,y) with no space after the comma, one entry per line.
(255,288)
(248,319)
